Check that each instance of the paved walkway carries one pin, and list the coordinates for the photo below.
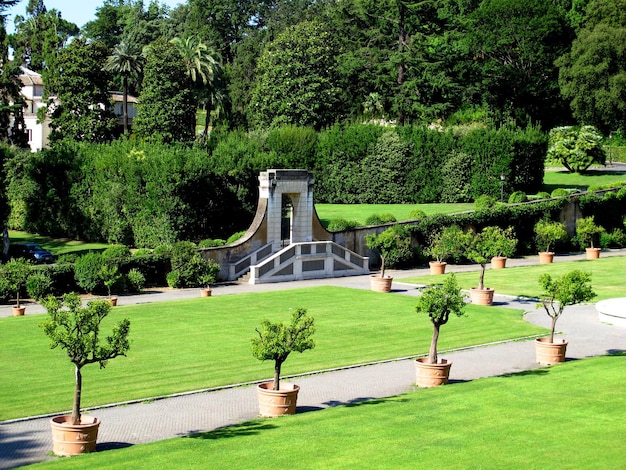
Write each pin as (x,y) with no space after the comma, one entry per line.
(28,441)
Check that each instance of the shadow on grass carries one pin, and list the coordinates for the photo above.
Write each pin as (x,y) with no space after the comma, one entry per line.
(102,446)
(249,428)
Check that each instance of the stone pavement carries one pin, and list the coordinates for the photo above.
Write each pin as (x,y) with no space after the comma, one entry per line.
(29,440)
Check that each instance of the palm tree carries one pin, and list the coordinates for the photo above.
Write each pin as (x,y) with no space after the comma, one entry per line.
(126,60)
(204,69)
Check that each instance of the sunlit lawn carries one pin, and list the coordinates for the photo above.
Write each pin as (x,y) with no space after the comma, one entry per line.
(608,277)
(56,246)
(596,176)
(205,342)
(568,416)
(360,212)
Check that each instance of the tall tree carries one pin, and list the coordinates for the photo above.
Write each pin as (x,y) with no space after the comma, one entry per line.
(166,108)
(203,68)
(592,74)
(82,108)
(125,61)
(298,81)
(40,35)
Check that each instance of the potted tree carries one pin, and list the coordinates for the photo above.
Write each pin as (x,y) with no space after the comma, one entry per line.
(438,302)
(275,342)
(77,330)
(586,232)
(109,274)
(444,244)
(548,233)
(571,288)
(480,247)
(15,273)
(504,246)
(393,245)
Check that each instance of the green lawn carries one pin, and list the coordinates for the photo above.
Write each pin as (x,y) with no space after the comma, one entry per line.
(608,277)
(562,179)
(565,416)
(205,342)
(56,246)
(360,212)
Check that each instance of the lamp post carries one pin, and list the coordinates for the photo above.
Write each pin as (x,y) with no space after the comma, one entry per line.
(502,180)
(610,149)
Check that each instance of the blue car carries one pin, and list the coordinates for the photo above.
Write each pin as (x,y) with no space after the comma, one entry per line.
(30,251)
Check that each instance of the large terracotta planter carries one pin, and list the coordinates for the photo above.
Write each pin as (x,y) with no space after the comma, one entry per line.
(112,301)
(437,267)
(550,353)
(205,292)
(18,311)
(592,253)
(431,375)
(498,262)
(281,402)
(381,284)
(481,296)
(74,439)
(546,257)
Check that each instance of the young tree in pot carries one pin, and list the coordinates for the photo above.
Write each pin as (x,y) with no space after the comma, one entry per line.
(393,246)
(109,274)
(480,247)
(548,233)
(586,232)
(16,272)
(275,342)
(571,288)
(76,329)
(504,245)
(439,302)
(444,244)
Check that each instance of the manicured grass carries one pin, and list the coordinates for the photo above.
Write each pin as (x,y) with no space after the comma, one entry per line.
(566,416)
(56,246)
(608,277)
(205,342)
(360,212)
(562,179)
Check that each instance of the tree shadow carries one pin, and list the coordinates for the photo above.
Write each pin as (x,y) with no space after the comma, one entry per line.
(103,446)
(248,428)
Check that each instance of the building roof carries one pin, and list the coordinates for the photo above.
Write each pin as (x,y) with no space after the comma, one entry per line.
(30,77)
(118,97)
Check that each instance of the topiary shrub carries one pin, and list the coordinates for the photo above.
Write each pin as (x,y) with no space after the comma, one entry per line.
(235,236)
(417,214)
(339,225)
(485,202)
(517,197)
(380,219)
(116,252)
(162,249)
(559,192)
(210,242)
(457,178)
(142,252)
(39,286)
(87,271)
(543,195)
(67,258)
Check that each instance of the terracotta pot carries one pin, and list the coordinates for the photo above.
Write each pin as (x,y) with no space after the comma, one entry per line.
(498,262)
(205,292)
(437,267)
(546,257)
(593,253)
(381,284)
(74,439)
(18,311)
(481,296)
(112,301)
(281,402)
(550,353)
(431,375)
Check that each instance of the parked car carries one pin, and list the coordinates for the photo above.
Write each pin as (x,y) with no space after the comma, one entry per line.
(30,251)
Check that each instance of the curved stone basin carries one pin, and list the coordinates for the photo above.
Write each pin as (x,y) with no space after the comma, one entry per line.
(612,311)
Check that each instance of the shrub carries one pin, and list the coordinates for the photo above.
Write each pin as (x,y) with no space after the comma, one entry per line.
(559,192)
(339,225)
(380,219)
(235,236)
(517,197)
(116,252)
(614,239)
(162,249)
(543,195)
(5,290)
(457,178)
(67,258)
(39,285)
(210,242)
(87,271)
(576,148)
(135,280)
(174,279)
(142,252)
(189,268)
(417,214)
(485,202)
